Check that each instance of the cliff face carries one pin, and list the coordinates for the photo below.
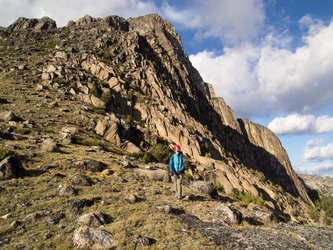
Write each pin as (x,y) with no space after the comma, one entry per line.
(138,71)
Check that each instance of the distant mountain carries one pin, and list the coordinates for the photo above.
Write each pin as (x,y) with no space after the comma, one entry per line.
(321,184)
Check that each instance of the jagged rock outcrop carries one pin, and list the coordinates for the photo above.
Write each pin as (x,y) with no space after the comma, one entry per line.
(136,73)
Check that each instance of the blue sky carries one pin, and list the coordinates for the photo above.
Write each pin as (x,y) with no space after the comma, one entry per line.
(272,61)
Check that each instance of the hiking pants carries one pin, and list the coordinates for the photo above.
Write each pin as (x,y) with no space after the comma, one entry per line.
(177,183)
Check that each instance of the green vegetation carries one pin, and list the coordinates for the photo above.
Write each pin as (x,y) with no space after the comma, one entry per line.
(23,131)
(219,187)
(99,110)
(94,91)
(106,97)
(162,151)
(248,197)
(261,175)
(104,56)
(92,143)
(324,203)
(4,153)
(142,156)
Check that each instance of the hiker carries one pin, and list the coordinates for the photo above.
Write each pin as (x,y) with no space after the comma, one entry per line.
(177,167)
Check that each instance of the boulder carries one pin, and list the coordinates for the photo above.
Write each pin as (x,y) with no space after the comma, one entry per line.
(203,187)
(11,168)
(67,191)
(226,215)
(260,212)
(90,164)
(81,203)
(79,179)
(155,175)
(130,198)
(53,218)
(7,116)
(50,145)
(142,241)
(95,219)
(92,238)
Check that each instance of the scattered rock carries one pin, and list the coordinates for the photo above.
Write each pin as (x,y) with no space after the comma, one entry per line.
(90,164)
(260,212)
(203,187)
(53,218)
(15,223)
(130,198)
(81,203)
(142,241)
(11,168)
(6,216)
(79,179)
(7,116)
(49,145)
(107,172)
(67,191)
(165,209)
(126,164)
(226,215)
(92,238)
(32,216)
(169,210)
(95,219)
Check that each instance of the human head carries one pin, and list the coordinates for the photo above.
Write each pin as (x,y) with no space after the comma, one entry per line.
(177,148)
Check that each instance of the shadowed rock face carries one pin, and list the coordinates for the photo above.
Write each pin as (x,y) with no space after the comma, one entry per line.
(144,74)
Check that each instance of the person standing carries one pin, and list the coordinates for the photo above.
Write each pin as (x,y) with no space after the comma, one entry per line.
(176,168)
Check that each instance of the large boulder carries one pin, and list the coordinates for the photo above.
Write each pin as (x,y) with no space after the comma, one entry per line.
(11,168)
(7,116)
(92,238)
(226,215)
(203,187)
(155,175)
(49,145)
(260,212)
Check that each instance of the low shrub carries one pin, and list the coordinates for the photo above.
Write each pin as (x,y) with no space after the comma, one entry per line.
(4,153)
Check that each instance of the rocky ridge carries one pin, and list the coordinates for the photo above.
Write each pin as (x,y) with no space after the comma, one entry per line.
(130,83)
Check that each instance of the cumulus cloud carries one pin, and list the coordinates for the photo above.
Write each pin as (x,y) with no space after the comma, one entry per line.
(63,11)
(266,79)
(228,20)
(301,124)
(315,151)
(233,21)
(325,169)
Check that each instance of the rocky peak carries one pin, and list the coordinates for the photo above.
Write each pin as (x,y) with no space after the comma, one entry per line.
(42,24)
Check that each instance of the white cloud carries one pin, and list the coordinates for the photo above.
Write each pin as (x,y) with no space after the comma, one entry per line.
(301,124)
(229,20)
(186,18)
(292,124)
(233,21)
(275,79)
(63,11)
(325,169)
(315,151)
